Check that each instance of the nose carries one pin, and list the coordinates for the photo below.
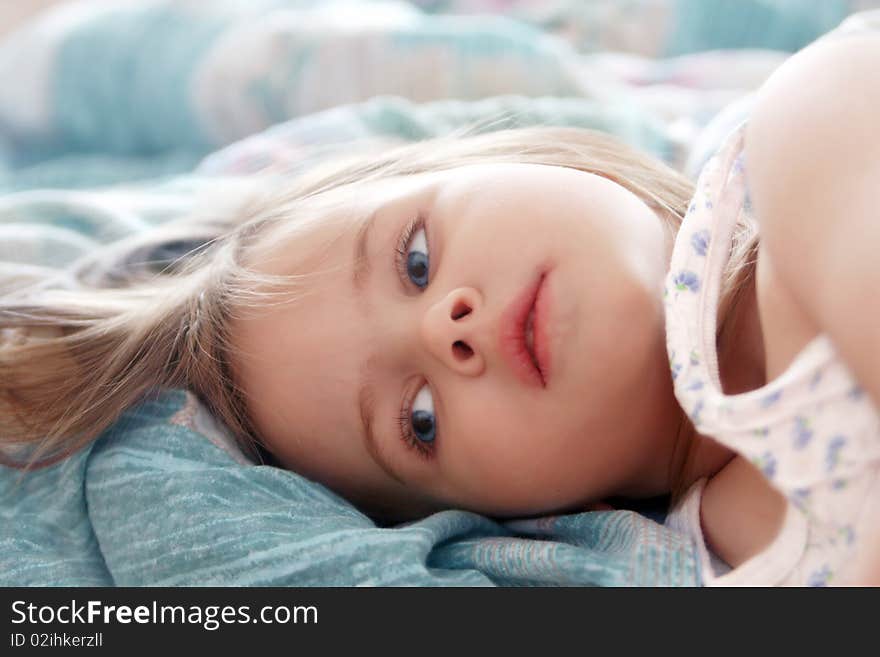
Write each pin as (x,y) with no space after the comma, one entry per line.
(455,331)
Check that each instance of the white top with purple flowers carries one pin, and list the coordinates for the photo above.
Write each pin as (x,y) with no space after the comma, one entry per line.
(812,431)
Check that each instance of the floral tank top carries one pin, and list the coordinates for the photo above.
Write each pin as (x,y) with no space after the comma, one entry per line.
(812,431)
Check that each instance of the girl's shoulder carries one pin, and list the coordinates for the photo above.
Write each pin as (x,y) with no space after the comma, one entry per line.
(813,121)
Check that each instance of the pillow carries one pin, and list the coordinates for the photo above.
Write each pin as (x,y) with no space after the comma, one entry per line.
(165,498)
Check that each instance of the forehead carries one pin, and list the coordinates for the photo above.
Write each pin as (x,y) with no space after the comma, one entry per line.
(297,360)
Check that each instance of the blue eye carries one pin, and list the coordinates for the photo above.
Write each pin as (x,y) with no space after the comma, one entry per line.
(424,427)
(417,259)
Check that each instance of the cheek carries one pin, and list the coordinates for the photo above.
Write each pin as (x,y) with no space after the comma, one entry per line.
(508,459)
(497,230)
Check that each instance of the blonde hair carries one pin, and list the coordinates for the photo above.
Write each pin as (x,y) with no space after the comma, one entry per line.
(75,358)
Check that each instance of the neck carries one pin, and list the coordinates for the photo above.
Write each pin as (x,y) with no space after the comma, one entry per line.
(741,365)
(740,343)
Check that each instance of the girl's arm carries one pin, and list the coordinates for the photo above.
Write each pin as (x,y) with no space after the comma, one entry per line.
(813,162)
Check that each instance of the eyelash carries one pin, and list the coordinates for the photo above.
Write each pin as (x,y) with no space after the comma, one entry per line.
(403,242)
(404,419)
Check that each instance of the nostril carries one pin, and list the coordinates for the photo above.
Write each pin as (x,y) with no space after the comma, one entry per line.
(460,310)
(461,350)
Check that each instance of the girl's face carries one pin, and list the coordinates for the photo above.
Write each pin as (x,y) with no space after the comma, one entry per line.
(408,384)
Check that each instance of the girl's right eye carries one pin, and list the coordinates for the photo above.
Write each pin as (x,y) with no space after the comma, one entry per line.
(412,254)
(418,424)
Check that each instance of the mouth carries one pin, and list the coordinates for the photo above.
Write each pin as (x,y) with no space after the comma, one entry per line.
(521,335)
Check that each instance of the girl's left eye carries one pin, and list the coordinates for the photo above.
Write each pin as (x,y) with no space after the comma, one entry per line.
(412,254)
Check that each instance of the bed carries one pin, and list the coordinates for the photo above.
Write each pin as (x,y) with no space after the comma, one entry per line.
(114,118)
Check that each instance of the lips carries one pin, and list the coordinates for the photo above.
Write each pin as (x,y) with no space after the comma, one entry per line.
(521,333)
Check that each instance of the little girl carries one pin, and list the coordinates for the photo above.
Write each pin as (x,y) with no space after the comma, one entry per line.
(519,323)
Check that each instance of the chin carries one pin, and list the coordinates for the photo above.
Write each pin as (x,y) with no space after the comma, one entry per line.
(387,513)
(532,508)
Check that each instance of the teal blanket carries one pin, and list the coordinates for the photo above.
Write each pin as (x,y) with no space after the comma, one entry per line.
(106,93)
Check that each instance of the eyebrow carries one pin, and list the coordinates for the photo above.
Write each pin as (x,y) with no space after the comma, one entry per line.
(360,277)
(366,407)
(366,396)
